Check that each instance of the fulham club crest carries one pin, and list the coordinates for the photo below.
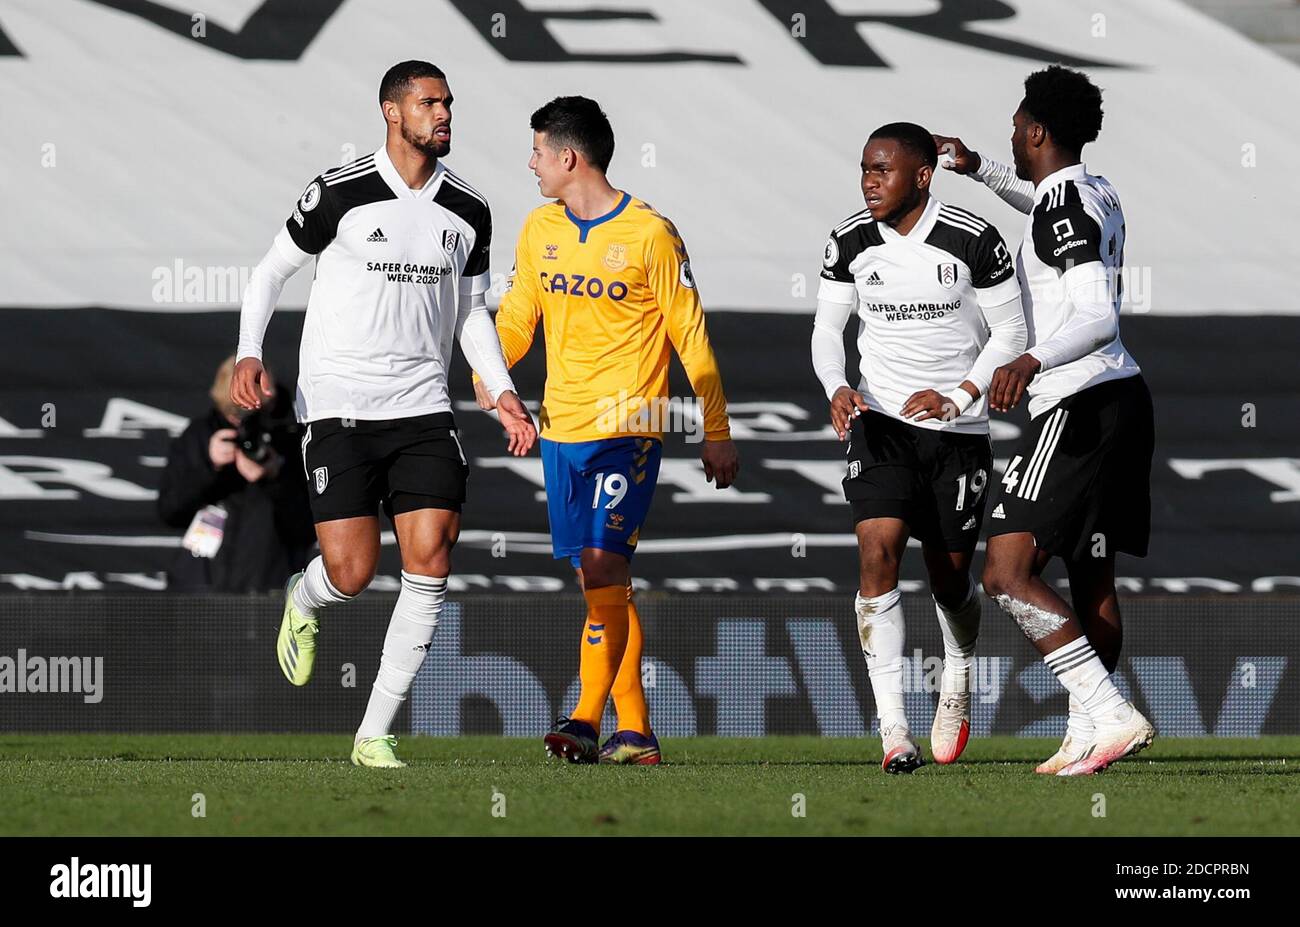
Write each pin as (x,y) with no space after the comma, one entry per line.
(322,476)
(450,240)
(948,276)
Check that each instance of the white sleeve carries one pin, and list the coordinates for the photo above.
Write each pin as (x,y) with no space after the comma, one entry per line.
(480,344)
(264,285)
(828,340)
(1002,180)
(1008,332)
(1093,322)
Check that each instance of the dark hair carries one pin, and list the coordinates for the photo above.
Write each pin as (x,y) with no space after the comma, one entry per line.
(397,79)
(580,124)
(1066,103)
(912,137)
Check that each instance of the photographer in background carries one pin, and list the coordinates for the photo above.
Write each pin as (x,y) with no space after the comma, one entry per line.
(234,482)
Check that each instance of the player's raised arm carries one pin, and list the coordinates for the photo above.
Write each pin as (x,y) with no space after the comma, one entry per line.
(1000,178)
(836,296)
(668,273)
(306,233)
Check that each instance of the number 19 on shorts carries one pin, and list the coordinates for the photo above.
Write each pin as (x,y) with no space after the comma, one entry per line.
(613,485)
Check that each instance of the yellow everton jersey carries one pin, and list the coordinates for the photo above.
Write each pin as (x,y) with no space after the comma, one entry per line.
(614,293)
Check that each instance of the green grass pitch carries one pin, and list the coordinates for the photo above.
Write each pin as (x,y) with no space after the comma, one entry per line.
(290,785)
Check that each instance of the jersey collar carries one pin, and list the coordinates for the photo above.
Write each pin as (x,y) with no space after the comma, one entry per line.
(1073,172)
(586,225)
(922,227)
(384,165)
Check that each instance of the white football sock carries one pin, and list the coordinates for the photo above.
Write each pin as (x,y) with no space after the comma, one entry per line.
(1082,673)
(1080,729)
(415,618)
(960,628)
(315,591)
(880,629)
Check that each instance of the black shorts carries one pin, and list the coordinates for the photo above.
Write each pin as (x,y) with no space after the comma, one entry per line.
(933,480)
(401,464)
(1080,478)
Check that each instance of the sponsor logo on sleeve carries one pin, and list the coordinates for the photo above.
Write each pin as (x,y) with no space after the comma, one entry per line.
(310,197)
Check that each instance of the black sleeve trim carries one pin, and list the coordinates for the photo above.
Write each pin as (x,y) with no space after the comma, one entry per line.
(1064,234)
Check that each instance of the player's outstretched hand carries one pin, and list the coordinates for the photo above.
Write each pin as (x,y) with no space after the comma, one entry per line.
(250,384)
(1010,381)
(959,158)
(928,403)
(846,405)
(721,462)
(483,396)
(517,422)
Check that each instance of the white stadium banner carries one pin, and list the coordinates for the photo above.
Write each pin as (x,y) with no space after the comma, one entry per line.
(151,152)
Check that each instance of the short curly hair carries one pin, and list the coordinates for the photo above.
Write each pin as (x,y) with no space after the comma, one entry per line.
(1066,103)
(911,137)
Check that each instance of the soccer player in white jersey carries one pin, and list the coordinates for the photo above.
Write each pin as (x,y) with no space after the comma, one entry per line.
(401,248)
(939,310)
(1078,483)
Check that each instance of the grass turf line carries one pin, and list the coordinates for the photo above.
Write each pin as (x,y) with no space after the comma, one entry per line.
(265,784)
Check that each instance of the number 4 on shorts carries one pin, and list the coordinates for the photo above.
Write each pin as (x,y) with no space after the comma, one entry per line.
(1010,479)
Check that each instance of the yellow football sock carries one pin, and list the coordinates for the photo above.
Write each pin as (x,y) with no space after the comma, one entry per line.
(629,697)
(604,638)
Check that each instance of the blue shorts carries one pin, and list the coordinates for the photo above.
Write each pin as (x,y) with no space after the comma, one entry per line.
(598,493)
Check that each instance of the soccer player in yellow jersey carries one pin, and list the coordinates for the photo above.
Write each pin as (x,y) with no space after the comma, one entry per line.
(609,279)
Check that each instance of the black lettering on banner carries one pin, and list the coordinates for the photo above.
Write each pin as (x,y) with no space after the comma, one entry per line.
(7,47)
(527,38)
(278,30)
(833,38)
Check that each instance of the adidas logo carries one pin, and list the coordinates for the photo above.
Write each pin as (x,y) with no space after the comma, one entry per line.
(874,279)
(377,235)
(970,523)
(998,513)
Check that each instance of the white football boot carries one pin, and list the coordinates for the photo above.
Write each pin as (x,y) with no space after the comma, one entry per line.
(901,752)
(1069,751)
(1120,733)
(951,728)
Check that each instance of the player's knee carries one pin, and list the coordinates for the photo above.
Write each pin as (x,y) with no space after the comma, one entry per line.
(432,563)
(878,561)
(951,590)
(996,581)
(603,568)
(351,577)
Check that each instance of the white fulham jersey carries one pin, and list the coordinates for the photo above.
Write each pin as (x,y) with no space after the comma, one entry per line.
(918,299)
(1076,221)
(392,266)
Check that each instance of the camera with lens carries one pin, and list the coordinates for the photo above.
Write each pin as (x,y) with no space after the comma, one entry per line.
(254,438)
(261,431)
